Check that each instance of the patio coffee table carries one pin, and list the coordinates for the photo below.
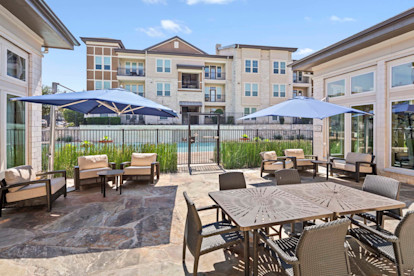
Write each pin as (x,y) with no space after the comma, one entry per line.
(116,174)
(316,163)
(255,208)
(340,199)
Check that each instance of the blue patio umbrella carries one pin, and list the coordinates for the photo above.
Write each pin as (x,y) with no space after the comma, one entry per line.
(304,107)
(118,101)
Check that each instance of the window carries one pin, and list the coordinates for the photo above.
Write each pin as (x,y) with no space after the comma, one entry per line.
(16,66)
(213,94)
(362,83)
(403,74)
(336,135)
(163,65)
(219,97)
(141,90)
(98,85)
(163,118)
(127,68)
(248,111)
(163,89)
(140,69)
(362,139)
(219,72)
(207,72)
(336,88)
(402,140)
(213,72)
(15,133)
(251,89)
(279,90)
(247,66)
(107,63)
(274,118)
(190,81)
(107,85)
(255,66)
(98,63)
(279,67)
(251,66)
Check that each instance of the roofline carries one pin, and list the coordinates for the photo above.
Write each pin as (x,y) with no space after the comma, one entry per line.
(289,49)
(392,27)
(102,39)
(46,11)
(174,37)
(132,51)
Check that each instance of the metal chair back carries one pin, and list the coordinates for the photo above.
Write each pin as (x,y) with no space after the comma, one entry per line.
(383,186)
(404,232)
(193,226)
(287,176)
(232,180)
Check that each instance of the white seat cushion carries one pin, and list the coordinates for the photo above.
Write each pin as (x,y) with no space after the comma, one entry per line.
(268,155)
(304,162)
(277,166)
(19,174)
(298,153)
(35,190)
(342,165)
(353,157)
(92,162)
(143,159)
(137,170)
(91,173)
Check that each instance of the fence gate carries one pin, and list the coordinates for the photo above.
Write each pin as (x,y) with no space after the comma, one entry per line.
(203,144)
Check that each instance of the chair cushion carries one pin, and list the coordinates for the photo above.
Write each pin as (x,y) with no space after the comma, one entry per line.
(278,166)
(91,173)
(268,155)
(342,165)
(92,162)
(143,159)
(19,174)
(35,190)
(353,157)
(137,170)
(298,153)
(304,162)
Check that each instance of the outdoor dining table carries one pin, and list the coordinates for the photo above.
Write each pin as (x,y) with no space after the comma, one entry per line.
(255,208)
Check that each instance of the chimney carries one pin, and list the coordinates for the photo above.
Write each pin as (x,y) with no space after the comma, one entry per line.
(217,48)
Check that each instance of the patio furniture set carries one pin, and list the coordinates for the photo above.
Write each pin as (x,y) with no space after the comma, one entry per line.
(319,249)
(22,187)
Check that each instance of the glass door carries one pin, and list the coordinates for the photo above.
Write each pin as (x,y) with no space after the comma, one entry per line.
(362,139)
(140,69)
(337,135)
(213,72)
(213,94)
(15,133)
(218,72)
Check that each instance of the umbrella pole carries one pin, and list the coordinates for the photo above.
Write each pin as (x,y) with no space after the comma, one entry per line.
(52,131)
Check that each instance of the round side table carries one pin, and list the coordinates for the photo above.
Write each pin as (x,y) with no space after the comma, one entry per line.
(316,163)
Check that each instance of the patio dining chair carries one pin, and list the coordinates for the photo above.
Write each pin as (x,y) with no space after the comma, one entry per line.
(398,247)
(230,181)
(202,239)
(318,251)
(287,176)
(383,186)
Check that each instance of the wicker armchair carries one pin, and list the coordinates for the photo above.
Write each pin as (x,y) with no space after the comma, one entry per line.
(21,188)
(319,251)
(382,186)
(287,176)
(202,239)
(271,163)
(397,247)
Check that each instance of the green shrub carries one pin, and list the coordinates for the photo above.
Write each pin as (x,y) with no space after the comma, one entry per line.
(103,120)
(66,139)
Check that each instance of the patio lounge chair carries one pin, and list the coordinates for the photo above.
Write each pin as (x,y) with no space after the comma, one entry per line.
(86,173)
(382,186)
(202,239)
(319,251)
(355,163)
(397,247)
(21,188)
(142,164)
(302,161)
(272,163)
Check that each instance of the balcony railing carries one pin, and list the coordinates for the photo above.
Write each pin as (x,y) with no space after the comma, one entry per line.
(216,76)
(122,71)
(303,80)
(189,85)
(214,98)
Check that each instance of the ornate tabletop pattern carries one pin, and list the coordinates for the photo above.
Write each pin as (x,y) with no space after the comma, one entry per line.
(258,207)
(341,199)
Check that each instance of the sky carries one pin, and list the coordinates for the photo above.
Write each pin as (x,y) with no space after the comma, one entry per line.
(306,25)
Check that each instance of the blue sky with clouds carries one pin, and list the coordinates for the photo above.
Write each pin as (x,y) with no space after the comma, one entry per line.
(307,25)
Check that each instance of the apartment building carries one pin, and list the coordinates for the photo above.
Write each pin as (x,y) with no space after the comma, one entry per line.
(237,80)
(25,27)
(373,71)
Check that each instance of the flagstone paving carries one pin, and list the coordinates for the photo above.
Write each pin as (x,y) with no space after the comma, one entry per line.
(139,232)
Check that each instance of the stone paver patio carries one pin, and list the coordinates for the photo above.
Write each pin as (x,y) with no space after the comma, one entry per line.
(139,232)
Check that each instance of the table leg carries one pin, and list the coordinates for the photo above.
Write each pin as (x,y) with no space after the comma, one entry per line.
(314,169)
(101,177)
(246,253)
(104,186)
(255,254)
(120,184)
(327,171)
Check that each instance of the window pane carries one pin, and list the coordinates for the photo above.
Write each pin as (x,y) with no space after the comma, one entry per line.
(127,68)
(255,66)
(16,66)
(159,65)
(403,74)
(98,85)
(282,90)
(218,92)
(140,69)
(336,135)
(247,88)
(107,63)
(107,85)
(362,83)
(159,89)
(134,88)
(15,133)
(206,72)
(246,111)
(134,67)
(275,90)
(218,71)
(128,87)
(255,89)
(141,90)
(247,66)
(283,67)
(167,89)
(167,68)
(402,141)
(98,63)
(336,88)
(276,67)
(363,130)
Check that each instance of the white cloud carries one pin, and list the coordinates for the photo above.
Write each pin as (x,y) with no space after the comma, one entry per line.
(166,26)
(193,2)
(335,18)
(303,52)
(155,1)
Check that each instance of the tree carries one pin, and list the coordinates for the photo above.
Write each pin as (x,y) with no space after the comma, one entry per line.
(74,117)
(46,90)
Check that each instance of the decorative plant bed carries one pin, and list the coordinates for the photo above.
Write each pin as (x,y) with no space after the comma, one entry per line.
(106,141)
(244,139)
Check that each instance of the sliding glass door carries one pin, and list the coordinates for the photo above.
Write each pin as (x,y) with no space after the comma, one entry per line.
(15,132)
(362,139)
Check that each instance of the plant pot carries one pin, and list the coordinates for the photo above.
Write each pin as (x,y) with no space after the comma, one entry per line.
(244,139)
(105,141)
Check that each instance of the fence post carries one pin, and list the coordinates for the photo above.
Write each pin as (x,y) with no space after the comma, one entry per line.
(257,135)
(123,139)
(157,135)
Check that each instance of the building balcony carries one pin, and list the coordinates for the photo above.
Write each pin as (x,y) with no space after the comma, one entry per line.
(214,98)
(128,72)
(216,76)
(305,80)
(191,85)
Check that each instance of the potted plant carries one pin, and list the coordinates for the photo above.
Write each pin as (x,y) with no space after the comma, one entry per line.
(86,144)
(105,140)
(245,137)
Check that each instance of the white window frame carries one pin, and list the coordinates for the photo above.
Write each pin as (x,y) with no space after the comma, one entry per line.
(163,65)
(279,90)
(110,65)
(359,74)
(107,81)
(19,52)
(163,89)
(101,82)
(251,89)
(279,68)
(251,66)
(342,77)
